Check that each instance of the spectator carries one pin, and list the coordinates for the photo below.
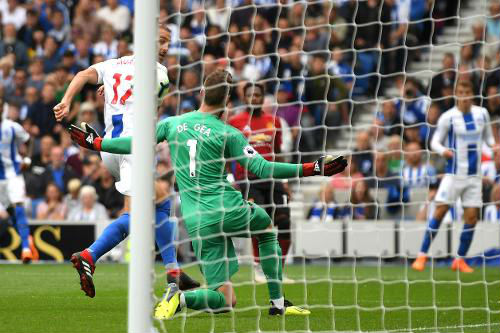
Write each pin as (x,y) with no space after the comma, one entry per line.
(69,62)
(60,31)
(71,200)
(52,208)
(326,209)
(341,68)
(291,71)
(91,170)
(493,23)
(41,161)
(417,173)
(41,120)
(394,156)
(14,14)
(493,107)
(51,54)
(7,71)
(346,179)
(107,46)
(261,60)
(219,14)
(115,14)
(445,78)
(190,88)
(47,7)
(492,211)
(338,26)
(388,120)
(88,115)
(15,92)
(316,38)
(414,107)
(84,54)
(36,74)
(88,208)
(10,45)
(58,172)
(30,98)
(27,31)
(107,193)
(363,206)
(362,155)
(288,110)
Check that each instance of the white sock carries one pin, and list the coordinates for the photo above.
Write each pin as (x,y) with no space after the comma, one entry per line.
(279,303)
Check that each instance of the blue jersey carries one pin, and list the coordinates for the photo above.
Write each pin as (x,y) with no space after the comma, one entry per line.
(11,135)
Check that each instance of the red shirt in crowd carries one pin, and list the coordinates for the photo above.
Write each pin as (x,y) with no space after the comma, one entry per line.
(263,133)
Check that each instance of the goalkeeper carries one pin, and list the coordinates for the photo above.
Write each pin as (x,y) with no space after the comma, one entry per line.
(213,211)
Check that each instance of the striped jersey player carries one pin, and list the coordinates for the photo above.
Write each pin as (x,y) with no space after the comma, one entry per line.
(12,187)
(459,137)
(117,76)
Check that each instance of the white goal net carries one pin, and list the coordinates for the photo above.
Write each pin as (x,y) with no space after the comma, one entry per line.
(369,80)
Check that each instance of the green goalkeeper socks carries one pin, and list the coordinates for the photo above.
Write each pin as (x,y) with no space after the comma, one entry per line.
(204,299)
(270,261)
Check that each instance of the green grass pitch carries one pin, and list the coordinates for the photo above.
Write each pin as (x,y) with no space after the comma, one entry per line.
(47,298)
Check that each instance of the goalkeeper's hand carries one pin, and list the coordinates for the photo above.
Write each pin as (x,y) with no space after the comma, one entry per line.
(324,166)
(86,137)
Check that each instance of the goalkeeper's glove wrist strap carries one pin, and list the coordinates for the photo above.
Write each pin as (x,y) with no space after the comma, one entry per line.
(308,169)
(98,144)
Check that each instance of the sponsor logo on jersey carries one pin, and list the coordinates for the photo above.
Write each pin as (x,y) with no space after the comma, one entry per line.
(249,151)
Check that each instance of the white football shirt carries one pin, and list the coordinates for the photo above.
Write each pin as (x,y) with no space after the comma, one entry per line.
(117,75)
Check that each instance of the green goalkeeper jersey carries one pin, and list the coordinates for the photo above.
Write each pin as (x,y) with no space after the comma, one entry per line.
(200,146)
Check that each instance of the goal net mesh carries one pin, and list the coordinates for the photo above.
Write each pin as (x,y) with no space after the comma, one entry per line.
(369,80)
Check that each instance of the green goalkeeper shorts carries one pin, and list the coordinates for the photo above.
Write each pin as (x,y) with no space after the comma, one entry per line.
(214,247)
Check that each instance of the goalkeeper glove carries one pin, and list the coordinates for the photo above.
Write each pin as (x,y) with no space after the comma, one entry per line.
(86,137)
(324,166)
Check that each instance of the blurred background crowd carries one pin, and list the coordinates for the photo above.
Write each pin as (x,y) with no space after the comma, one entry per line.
(321,62)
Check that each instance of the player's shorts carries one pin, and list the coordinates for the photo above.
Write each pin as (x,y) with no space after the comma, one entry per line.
(453,187)
(12,190)
(214,247)
(270,195)
(120,167)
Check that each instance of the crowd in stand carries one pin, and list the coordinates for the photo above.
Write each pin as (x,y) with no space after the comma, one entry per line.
(318,60)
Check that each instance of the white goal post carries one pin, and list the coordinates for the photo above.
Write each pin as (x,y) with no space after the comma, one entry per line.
(140,299)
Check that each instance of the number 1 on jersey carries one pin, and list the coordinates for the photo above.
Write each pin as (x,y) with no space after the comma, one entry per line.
(191,143)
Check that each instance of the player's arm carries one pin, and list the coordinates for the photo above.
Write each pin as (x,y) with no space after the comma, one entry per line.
(239,149)
(88,138)
(443,126)
(89,75)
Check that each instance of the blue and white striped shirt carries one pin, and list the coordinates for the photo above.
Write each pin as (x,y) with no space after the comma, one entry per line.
(11,135)
(464,134)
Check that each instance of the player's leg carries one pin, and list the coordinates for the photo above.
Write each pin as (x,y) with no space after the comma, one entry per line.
(218,263)
(260,226)
(259,196)
(16,193)
(112,235)
(281,218)
(472,201)
(165,231)
(445,196)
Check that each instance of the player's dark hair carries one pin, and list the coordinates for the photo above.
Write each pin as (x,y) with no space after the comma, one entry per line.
(217,87)
(254,84)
